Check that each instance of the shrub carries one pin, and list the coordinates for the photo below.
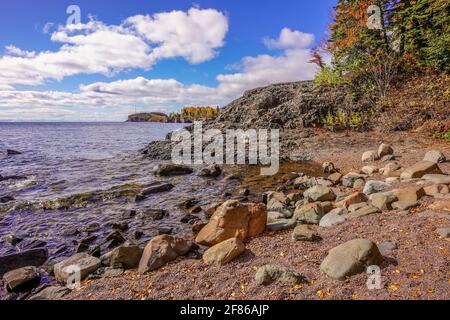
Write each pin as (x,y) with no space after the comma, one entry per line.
(344,120)
(328,76)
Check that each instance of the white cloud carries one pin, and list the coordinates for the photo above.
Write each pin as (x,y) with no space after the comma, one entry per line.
(115,100)
(153,91)
(14,51)
(290,39)
(291,65)
(5,87)
(96,48)
(193,35)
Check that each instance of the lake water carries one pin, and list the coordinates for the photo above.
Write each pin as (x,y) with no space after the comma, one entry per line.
(85,174)
(44,142)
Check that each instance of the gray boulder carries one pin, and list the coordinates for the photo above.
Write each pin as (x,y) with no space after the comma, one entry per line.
(435,156)
(387,247)
(212,171)
(282,224)
(305,233)
(269,274)
(127,255)
(383,201)
(34,257)
(364,211)
(309,213)
(351,258)
(50,293)
(375,187)
(170,169)
(349,179)
(19,278)
(334,217)
(83,262)
(320,193)
(370,156)
(157,188)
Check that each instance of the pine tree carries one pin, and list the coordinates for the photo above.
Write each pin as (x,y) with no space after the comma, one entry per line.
(423,30)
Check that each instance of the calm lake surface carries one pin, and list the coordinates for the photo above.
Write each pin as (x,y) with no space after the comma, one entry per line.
(79,179)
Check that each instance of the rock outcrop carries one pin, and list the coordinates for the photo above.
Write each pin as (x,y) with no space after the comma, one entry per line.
(293,105)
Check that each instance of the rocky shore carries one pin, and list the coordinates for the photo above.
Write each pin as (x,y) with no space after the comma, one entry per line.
(341,203)
(292,236)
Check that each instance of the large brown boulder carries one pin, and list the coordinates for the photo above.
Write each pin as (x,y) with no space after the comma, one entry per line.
(234,220)
(258,219)
(357,197)
(224,252)
(420,169)
(161,250)
(410,194)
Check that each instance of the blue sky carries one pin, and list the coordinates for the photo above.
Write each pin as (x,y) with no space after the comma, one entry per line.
(149,55)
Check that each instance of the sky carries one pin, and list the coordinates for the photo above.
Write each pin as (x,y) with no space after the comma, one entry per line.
(122,57)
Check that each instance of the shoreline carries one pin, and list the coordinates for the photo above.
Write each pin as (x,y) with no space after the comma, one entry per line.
(258,252)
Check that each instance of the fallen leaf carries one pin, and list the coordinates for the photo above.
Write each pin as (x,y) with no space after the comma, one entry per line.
(394,287)
(320,294)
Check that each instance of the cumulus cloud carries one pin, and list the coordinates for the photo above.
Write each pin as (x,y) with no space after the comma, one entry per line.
(139,42)
(87,49)
(290,39)
(105,101)
(113,100)
(193,35)
(14,51)
(291,65)
(263,70)
(152,91)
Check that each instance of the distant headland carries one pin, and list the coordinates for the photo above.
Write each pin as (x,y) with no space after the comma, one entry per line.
(187,115)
